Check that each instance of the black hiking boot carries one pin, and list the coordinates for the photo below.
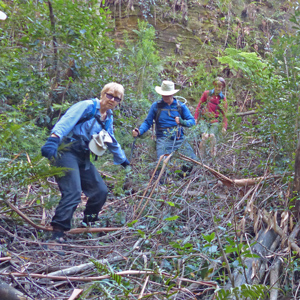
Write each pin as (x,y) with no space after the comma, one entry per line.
(57,238)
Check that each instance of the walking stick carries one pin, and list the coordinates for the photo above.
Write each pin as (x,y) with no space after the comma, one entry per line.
(132,147)
(165,158)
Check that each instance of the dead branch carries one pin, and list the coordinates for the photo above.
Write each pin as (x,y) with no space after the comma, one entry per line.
(122,273)
(274,278)
(49,228)
(75,294)
(5,258)
(227,181)
(93,230)
(242,114)
(83,267)
(267,219)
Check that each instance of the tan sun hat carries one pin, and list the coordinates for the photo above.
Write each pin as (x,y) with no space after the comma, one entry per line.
(97,144)
(167,88)
(3,16)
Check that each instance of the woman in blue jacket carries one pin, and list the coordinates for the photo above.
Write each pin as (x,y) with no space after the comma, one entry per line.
(79,125)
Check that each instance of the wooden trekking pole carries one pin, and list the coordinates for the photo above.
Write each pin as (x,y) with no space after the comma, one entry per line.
(165,162)
(146,190)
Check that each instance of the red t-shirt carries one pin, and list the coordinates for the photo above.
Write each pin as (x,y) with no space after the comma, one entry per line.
(213,109)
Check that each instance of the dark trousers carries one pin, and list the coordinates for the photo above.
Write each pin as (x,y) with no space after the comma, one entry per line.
(78,179)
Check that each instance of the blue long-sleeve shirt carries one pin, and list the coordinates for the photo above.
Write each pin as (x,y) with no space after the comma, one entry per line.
(67,126)
(167,118)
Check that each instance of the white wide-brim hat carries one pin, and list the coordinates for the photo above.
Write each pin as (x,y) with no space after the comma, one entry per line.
(97,144)
(3,16)
(167,88)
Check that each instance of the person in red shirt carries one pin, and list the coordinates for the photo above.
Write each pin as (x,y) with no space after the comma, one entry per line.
(210,115)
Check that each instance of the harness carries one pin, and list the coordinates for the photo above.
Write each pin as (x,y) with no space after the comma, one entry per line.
(79,142)
(160,105)
(91,115)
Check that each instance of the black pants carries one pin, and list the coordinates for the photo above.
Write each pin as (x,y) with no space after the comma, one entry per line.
(76,180)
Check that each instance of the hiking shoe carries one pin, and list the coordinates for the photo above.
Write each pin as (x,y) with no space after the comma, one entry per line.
(54,246)
(56,239)
(90,218)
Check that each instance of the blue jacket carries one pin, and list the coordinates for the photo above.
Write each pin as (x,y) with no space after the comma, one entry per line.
(66,126)
(167,119)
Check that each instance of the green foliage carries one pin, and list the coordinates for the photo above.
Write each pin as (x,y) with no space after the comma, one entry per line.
(108,287)
(37,51)
(276,95)
(17,135)
(102,268)
(143,62)
(20,163)
(253,292)
(248,63)
(145,6)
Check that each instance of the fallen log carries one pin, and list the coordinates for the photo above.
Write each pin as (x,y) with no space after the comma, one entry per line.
(274,279)
(122,273)
(242,114)
(267,219)
(49,228)
(252,264)
(227,181)
(83,267)
(7,292)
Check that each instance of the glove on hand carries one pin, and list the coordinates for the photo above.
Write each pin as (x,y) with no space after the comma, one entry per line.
(49,150)
(183,122)
(125,163)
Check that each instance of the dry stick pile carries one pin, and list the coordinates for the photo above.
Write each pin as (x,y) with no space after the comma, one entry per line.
(41,274)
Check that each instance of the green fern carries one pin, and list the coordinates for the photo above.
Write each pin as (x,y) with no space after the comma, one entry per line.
(103,268)
(253,292)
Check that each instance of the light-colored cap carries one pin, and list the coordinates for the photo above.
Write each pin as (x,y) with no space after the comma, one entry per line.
(3,16)
(97,144)
(167,88)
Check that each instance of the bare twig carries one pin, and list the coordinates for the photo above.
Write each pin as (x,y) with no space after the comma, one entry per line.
(122,273)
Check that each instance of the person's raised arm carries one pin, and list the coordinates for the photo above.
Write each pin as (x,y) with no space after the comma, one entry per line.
(71,117)
(147,123)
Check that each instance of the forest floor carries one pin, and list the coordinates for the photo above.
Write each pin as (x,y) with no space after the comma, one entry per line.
(173,245)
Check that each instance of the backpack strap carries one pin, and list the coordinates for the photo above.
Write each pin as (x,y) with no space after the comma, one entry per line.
(209,95)
(91,114)
(160,105)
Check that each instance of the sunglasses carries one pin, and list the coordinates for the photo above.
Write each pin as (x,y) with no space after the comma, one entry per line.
(110,97)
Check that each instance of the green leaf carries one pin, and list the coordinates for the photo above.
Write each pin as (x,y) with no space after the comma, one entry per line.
(132,223)
(209,237)
(171,218)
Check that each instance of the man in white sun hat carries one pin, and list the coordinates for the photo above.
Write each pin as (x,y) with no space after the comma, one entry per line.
(170,116)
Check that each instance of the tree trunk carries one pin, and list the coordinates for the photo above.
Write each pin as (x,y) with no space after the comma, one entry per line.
(296,188)
(7,292)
